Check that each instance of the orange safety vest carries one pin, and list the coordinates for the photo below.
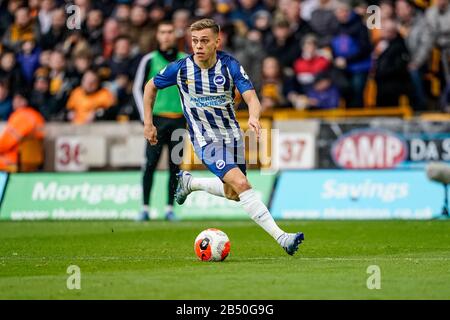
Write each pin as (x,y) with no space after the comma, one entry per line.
(23,123)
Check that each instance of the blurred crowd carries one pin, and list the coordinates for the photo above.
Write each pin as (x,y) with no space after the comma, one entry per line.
(76,60)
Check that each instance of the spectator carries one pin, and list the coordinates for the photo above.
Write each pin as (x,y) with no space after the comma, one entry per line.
(245,11)
(298,26)
(386,13)
(93,29)
(438,19)
(40,97)
(126,107)
(414,29)
(5,100)
(282,44)
(23,29)
(324,22)
(310,63)
(44,59)
(156,15)
(28,60)
(227,35)
(262,22)
(110,33)
(60,85)
(391,66)
(24,122)
(307,8)
(180,21)
(121,14)
(83,8)
(57,72)
(272,89)
(34,7)
(45,15)
(352,51)
(122,61)
(207,9)
(106,6)
(270,5)
(10,71)
(387,10)
(7,14)
(75,42)
(58,31)
(141,31)
(251,30)
(82,62)
(249,52)
(89,101)
(323,94)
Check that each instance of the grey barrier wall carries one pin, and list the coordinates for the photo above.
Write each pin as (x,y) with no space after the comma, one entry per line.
(374,143)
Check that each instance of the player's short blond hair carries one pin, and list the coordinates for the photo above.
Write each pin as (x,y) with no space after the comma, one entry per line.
(205,24)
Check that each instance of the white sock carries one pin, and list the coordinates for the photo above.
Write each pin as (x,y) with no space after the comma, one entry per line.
(258,211)
(145,208)
(210,185)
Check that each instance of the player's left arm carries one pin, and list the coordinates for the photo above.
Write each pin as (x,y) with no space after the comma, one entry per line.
(248,93)
(254,110)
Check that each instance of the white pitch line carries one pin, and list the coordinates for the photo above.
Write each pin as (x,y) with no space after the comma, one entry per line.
(137,258)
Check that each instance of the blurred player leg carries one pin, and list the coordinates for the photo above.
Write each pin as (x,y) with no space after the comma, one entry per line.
(175,124)
(152,154)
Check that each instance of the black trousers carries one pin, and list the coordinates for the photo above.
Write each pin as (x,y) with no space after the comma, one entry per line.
(165,127)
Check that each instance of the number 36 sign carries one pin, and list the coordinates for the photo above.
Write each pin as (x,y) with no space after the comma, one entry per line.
(294,150)
(79,153)
(68,154)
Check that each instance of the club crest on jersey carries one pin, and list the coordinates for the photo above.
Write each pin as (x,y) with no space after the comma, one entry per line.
(219,80)
(220,164)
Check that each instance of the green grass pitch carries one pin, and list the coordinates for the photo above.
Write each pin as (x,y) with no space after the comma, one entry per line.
(155,260)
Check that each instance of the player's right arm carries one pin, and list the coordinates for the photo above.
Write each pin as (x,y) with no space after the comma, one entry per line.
(165,78)
(150,132)
(140,82)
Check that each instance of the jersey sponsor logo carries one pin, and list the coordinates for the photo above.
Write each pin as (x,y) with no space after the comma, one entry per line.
(220,164)
(219,80)
(209,101)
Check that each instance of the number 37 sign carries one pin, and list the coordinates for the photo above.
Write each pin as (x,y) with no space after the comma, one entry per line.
(294,150)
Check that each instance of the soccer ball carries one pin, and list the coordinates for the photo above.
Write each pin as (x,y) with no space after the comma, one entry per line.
(212,245)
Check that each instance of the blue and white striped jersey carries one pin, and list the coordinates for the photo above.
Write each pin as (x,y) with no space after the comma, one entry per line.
(207,96)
